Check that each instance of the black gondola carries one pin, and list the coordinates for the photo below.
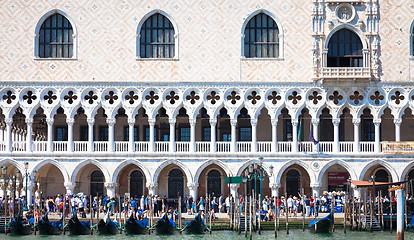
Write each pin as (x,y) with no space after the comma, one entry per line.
(195,226)
(323,225)
(18,228)
(132,226)
(47,227)
(77,227)
(107,227)
(165,226)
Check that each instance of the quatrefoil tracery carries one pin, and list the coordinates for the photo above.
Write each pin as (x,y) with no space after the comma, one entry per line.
(254,97)
(192,97)
(295,97)
(172,97)
(152,97)
(131,97)
(111,97)
(233,97)
(274,97)
(91,97)
(50,97)
(9,97)
(397,97)
(336,97)
(29,97)
(70,97)
(213,97)
(377,97)
(356,97)
(315,97)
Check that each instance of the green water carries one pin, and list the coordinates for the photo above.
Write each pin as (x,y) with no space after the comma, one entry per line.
(227,235)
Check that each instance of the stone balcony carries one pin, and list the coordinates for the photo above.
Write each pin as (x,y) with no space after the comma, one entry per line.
(216,147)
(343,73)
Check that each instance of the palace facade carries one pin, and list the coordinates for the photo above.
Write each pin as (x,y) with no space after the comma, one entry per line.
(170,97)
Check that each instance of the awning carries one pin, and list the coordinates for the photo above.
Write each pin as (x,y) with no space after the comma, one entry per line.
(360,184)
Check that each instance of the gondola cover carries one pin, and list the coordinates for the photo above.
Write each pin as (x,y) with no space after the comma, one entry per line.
(133,226)
(47,227)
(77,227)
(165,226)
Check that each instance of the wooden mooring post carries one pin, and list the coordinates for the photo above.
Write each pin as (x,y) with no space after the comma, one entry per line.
(287,218)
(390,193)
(245,215)
(275,218)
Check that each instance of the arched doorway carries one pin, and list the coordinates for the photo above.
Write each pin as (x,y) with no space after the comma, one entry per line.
(410,184)
(214,183)
(292,182)
(97,183)
(382,176)
(175,184)
(136,184)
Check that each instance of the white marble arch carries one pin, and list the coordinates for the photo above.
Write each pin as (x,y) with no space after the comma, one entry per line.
(342,163)
(286,165)
(177,163)
(55,163)
(383,164)
(86,162)
(219,163)
(135,162)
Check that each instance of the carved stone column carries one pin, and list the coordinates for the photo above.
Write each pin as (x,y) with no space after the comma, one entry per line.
(213,123)
(233,146)
(70,122)
(192,187)
(111,141)
(131,140)
(397,123)
(91,122)
(110,188)
(29,141)
(356,122)
(49,122)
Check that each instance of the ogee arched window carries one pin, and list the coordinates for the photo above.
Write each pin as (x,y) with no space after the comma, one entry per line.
(345,49)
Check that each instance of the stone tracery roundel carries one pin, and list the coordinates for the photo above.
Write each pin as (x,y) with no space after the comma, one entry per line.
(397,97)
(111,97)
(152,97)
(90,97)
(131,97)
(213,97)
(49,97)
(336,97)
(254,97)
(315,97)
(70,97)
(233,97)
(295,97)
(172,97)
(9,96)
(356,98)
(29,97)
(274,97)
(377,98)
(192,97)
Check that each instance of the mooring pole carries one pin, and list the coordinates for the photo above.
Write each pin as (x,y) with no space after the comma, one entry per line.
(275,203)
(333,211)
(179,213)
(400,214)
(371,211)
(303,210)
(250,218)
(90,212)
(245,215)
(287,218)
(391,212)
(345,212)
(260,214)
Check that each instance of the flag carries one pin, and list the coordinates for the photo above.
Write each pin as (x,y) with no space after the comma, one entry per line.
(300,132)
(311,138)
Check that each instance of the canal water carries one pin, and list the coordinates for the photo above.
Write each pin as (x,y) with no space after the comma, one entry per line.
(294,234)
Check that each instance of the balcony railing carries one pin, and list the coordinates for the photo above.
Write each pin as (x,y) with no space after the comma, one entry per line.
(220,147)
(345,72)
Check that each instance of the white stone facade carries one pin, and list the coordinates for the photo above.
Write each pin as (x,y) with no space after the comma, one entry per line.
(361,115)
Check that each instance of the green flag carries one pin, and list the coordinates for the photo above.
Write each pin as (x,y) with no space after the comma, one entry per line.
(300,132)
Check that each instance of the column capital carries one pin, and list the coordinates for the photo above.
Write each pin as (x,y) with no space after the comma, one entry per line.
(29,120)
(69,185)
(253,122)
(50,121)
(111,121)
(70,121)
(336,121)
(377,121)
(273,185)
(295,122)
(356,121)
(151,122)
(233,122)
(110,185)
(131,121)
(234,187)
(192,186)
(172,121)
(192,121)
(213,121)
(152,185)
(315,121)
(90,121)
(274,121)
(397,121)
(315,185)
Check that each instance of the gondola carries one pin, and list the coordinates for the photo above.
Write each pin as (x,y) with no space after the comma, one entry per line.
(18,228)
(410,226)
(107,227)
(77,227)
(133,226)
(195,226)
(165,225)
(47,227)
(323,225)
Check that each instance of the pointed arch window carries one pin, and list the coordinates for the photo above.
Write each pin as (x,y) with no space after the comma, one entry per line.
(261,37)
(345,49)
(157,38)
(56,38)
